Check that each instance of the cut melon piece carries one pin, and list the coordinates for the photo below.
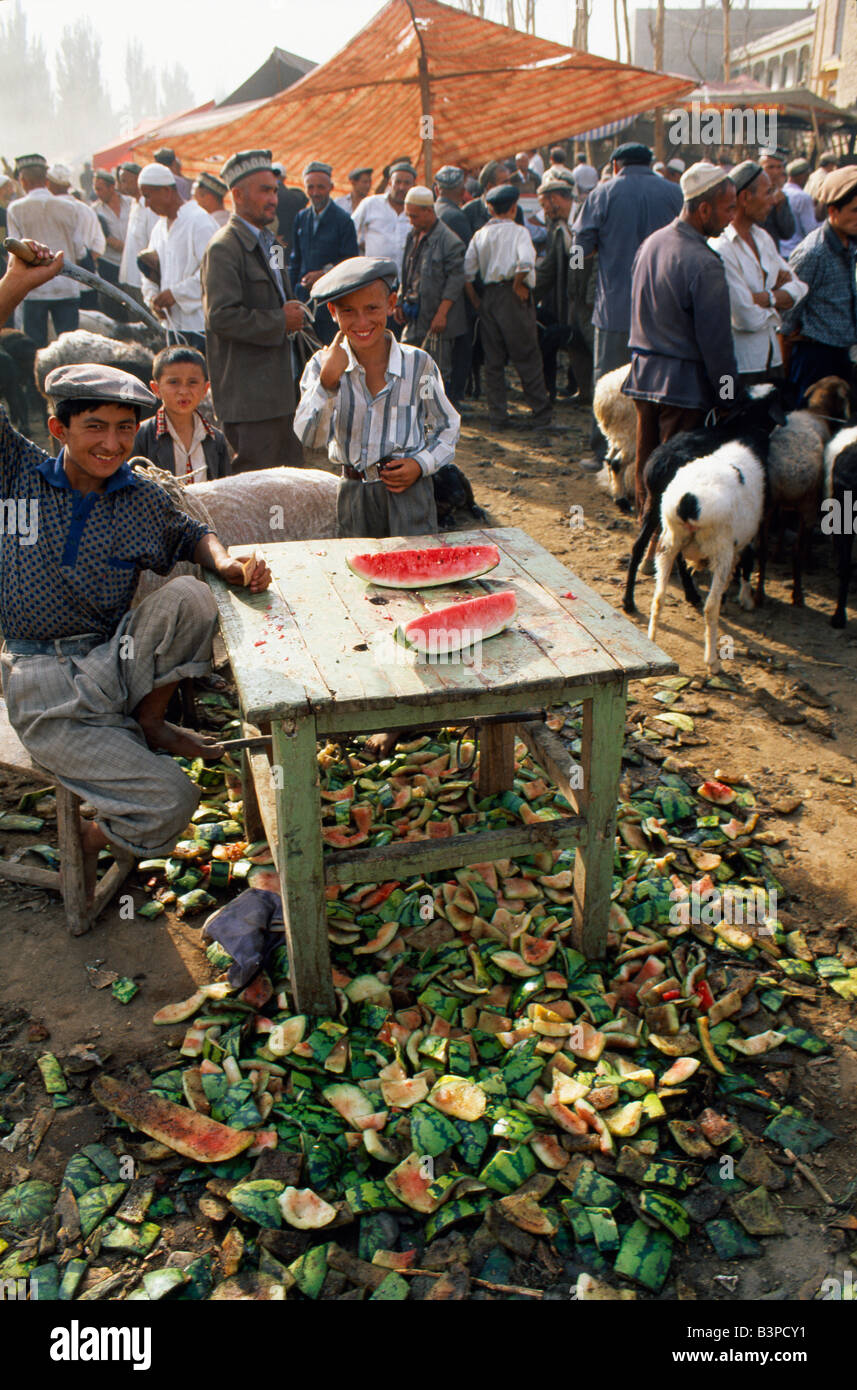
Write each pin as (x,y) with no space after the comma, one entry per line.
(756,1045)
(303,1208)
(410,1181)
(549,1150)
(424,569)
(180,1012)
(383,938)
(717,792)
(348,1101)
(564,1117)
(375,1146)
(368,989)
(461,1099)
(680,1071)
(284,1037)
(513,964)
(536,950)
(566,1090)
(404,1094)
(461,625)
(625,1120)
(194,1136)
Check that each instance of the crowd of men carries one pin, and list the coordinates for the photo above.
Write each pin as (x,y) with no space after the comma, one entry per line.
(688,275)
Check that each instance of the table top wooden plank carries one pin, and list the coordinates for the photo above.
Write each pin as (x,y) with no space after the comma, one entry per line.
(317,640)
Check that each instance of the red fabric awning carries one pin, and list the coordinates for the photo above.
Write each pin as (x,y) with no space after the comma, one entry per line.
(489,90)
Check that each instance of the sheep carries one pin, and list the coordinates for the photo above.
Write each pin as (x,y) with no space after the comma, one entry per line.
(73,349)
(752,420)
(92,321)
(839,511)
(616,417)
(795,471)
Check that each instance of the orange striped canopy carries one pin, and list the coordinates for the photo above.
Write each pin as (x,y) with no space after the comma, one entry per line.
(488,89)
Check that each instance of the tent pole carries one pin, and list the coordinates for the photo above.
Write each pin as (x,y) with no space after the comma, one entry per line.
(426,123)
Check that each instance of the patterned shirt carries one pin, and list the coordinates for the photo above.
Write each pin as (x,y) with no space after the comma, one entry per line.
(69,561)
(410,417)
(828,314)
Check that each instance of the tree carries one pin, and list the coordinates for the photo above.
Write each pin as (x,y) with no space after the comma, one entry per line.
(176,91)
(725,4)
(26,96)
(142,83)
(84,112)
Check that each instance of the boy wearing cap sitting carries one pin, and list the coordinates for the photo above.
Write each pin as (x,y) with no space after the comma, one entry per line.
(87,680)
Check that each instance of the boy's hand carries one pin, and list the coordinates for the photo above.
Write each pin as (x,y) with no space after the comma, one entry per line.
(249,571)
(400,474)
(334,363)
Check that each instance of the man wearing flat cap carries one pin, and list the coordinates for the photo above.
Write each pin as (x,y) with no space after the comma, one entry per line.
(210,191)
(478,210)
(616,217)
(826,320)
(827,162)
(430,303)
(449,200)
(323,236)
(682,357)
(250,313)
(86,679)
(801,204)
(780,223)
(380,221)
(170,161)
(361,186)
(761,284)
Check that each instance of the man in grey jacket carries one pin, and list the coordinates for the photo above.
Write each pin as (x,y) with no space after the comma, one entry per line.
(249,315)
(431,296)
(682,354)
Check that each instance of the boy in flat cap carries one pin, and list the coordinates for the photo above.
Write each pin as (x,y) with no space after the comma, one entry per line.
(378,407)
(323,236)
(503,256)
(86,680)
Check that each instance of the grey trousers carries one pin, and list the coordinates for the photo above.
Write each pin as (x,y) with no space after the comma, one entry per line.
(507,326)
(73,715)
(369,509)
(264,443)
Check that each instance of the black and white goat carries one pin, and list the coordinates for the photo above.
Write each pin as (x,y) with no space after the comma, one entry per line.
(711,506)
(839,511)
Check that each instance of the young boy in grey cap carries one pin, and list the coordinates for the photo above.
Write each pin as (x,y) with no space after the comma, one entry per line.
(378,407)
(86,679)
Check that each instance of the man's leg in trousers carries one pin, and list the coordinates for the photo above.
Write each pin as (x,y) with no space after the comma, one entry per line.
(66,315)
(264,444)
(494,350)
(675,419)
(648,436)
(522,342)
(36,320)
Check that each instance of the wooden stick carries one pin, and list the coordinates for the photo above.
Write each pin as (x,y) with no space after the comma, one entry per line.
(807,1173)
(483,1283)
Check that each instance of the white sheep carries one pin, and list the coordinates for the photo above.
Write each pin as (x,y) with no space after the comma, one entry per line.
(74,349)
(710,512)
(616,417)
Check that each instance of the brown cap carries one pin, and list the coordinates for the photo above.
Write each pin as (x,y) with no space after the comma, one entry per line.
(838,184)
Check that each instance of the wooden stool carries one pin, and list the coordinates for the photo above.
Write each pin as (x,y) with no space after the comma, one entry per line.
(69,880)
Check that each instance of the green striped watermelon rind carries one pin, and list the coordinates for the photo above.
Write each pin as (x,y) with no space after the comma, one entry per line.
(444,564)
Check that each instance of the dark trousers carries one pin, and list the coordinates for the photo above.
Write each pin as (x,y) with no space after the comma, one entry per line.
(507,325)
(462,350)
(106,303)
(811,360)
(64,314)
(552,336)
(264,444)
(657,422)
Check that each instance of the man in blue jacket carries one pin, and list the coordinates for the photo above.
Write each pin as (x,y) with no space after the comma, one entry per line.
(323,236)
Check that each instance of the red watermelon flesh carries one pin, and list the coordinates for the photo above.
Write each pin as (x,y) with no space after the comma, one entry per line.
(424,569)
(460,625)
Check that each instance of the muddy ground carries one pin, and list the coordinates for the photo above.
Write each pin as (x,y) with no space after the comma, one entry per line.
(46,998)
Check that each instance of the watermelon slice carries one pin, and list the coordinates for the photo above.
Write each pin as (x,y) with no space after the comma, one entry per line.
(192,1135)
(303,1208)
(461,625)
(425,569)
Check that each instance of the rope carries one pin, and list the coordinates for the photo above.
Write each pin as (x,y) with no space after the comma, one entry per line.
(176,490)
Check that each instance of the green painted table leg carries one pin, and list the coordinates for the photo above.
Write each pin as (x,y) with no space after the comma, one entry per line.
(601,760)
(295,774)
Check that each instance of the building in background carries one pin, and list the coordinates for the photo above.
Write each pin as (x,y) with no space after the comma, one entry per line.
(693,38)
(834,53)
(780,59)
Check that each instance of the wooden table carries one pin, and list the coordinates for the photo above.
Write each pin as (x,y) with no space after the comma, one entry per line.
(313,658)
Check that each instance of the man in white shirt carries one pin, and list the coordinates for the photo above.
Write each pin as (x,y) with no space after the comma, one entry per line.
(381,222)
(54,222)
(502,254)
(760,282)
(361,183)
(141,223)
(801,204)
(180,236)
(113,210)
(92,242)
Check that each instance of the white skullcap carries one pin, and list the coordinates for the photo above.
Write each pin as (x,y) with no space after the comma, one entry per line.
(59,173)
(419,195)
(658,165)
(156,176)
(700,178)
(677,165)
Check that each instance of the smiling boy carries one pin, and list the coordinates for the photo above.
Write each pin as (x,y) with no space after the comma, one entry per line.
(378,406)
(86,679)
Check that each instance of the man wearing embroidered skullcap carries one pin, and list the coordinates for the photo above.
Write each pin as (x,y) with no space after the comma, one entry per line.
(250,315)
(210,191)
(361,186)
(616,217)
(682,355)
(380,221)
(323,236)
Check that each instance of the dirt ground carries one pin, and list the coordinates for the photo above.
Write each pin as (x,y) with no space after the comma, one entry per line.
(529,481)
